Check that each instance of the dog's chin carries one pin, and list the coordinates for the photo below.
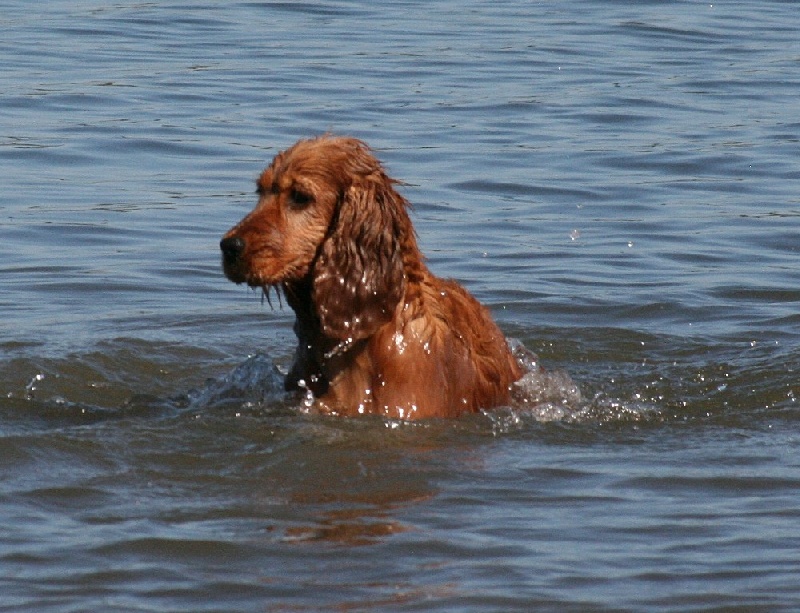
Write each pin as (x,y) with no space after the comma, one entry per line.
(234,274)
(256,281)
(240,274)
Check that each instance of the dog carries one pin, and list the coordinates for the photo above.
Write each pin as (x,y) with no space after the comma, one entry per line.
(378,333)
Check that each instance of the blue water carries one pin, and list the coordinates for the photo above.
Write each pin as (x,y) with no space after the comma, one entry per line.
(618,181)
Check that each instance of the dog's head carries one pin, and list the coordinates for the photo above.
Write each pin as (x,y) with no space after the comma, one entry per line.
(329,215)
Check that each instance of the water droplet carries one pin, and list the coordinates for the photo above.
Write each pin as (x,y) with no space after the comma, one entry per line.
(31,387)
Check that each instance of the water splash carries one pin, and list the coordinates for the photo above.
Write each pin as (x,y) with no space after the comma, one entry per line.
(257,381)
(545,395)
(32,385)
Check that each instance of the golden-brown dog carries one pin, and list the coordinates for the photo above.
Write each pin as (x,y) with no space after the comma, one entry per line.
(378,332)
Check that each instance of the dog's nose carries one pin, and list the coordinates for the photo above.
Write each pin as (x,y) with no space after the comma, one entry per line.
(232,247)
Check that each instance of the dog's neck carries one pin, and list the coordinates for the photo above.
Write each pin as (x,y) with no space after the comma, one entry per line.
(326,350)
(298,295)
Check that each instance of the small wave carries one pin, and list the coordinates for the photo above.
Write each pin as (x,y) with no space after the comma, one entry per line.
(255,382)
(546,395)
(543,396)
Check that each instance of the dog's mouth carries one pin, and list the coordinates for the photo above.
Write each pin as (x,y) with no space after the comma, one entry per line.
(239,275)
(243,263)
(235,272)
(235,263)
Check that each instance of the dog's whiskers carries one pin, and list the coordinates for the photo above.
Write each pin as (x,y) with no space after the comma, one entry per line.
(265,294)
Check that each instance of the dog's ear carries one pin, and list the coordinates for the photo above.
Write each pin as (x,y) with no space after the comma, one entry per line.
(358,276)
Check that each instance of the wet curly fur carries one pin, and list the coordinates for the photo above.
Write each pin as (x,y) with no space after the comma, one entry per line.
(377,332)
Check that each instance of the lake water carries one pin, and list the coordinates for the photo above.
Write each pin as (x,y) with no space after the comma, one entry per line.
(619,181)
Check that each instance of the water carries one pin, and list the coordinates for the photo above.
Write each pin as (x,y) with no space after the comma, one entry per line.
(618,181)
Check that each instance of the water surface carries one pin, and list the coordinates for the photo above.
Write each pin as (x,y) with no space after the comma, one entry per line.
(618,182)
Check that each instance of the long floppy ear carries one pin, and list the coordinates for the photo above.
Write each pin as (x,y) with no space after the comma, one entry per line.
(358,276)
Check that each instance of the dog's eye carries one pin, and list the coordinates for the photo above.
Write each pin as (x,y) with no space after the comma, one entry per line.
(299,199)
